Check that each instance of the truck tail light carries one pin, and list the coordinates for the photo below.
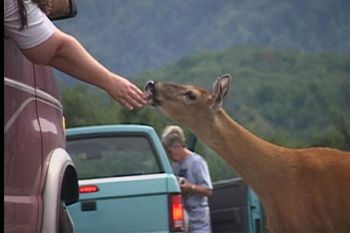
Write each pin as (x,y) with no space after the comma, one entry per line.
(88,189)
(177,221)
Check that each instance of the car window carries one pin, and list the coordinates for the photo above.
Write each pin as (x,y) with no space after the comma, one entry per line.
(113,156)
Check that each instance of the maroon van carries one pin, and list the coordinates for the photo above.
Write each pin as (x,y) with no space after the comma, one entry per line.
(40,179)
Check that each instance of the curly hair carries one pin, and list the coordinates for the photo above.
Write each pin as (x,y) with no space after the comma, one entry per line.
(44,5)
(172,135)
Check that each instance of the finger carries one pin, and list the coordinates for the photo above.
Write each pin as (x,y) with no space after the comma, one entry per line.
(137,99)
(134,101)
(143,94)
(125,104)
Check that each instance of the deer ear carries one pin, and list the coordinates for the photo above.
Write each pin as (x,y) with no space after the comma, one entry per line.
(220,89)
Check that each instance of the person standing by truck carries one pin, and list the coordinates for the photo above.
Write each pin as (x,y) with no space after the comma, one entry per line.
(43,43)
(194,177)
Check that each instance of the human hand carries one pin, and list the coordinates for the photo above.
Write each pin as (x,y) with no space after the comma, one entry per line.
(126,93)
(185,185)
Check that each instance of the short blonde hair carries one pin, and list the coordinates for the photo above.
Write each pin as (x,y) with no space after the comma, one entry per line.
(173,135)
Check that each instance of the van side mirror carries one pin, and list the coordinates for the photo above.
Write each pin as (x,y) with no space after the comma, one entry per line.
(62,9)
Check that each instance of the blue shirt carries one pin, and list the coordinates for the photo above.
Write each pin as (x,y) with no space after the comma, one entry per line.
(195,169)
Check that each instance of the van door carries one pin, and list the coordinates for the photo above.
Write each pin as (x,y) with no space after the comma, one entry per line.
(23,158)
(32,131)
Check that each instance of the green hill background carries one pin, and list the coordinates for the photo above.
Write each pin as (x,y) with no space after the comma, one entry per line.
(130,36)
(289,61)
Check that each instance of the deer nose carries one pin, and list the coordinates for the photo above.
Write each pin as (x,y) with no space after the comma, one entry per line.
(150,87)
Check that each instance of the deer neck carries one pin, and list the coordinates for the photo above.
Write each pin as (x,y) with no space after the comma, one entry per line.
(257,161)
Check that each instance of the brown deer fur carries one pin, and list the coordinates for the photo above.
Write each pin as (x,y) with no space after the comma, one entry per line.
(302,190)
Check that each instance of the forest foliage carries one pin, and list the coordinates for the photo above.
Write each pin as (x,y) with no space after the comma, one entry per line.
(132,36)
(286,96)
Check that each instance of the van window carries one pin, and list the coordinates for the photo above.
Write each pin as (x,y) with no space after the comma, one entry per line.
(113,156)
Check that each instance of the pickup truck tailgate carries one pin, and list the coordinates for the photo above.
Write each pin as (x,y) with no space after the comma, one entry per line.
(127,204)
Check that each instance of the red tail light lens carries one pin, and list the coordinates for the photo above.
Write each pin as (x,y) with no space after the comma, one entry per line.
(88,189)
(176,213)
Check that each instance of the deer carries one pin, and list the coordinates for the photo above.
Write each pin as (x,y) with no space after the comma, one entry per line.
(302,190)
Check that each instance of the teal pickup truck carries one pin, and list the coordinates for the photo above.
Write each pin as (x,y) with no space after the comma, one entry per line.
(126,183)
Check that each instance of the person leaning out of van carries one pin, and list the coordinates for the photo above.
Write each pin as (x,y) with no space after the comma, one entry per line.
(26,22)
(196,185)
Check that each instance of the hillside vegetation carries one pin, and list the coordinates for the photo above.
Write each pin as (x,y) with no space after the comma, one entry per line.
(288,97)
(130,36)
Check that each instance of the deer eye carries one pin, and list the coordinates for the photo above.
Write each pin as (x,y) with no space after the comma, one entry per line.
(190,95)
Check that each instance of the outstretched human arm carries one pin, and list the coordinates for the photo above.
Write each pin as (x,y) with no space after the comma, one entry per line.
(43,43)
(65,53)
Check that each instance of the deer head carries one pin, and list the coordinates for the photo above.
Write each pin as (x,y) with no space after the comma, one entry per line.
(187,104)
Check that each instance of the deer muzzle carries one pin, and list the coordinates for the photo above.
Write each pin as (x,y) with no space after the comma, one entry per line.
(150,88)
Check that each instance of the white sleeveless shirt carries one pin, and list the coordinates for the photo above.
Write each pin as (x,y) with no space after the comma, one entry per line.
(39,28)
